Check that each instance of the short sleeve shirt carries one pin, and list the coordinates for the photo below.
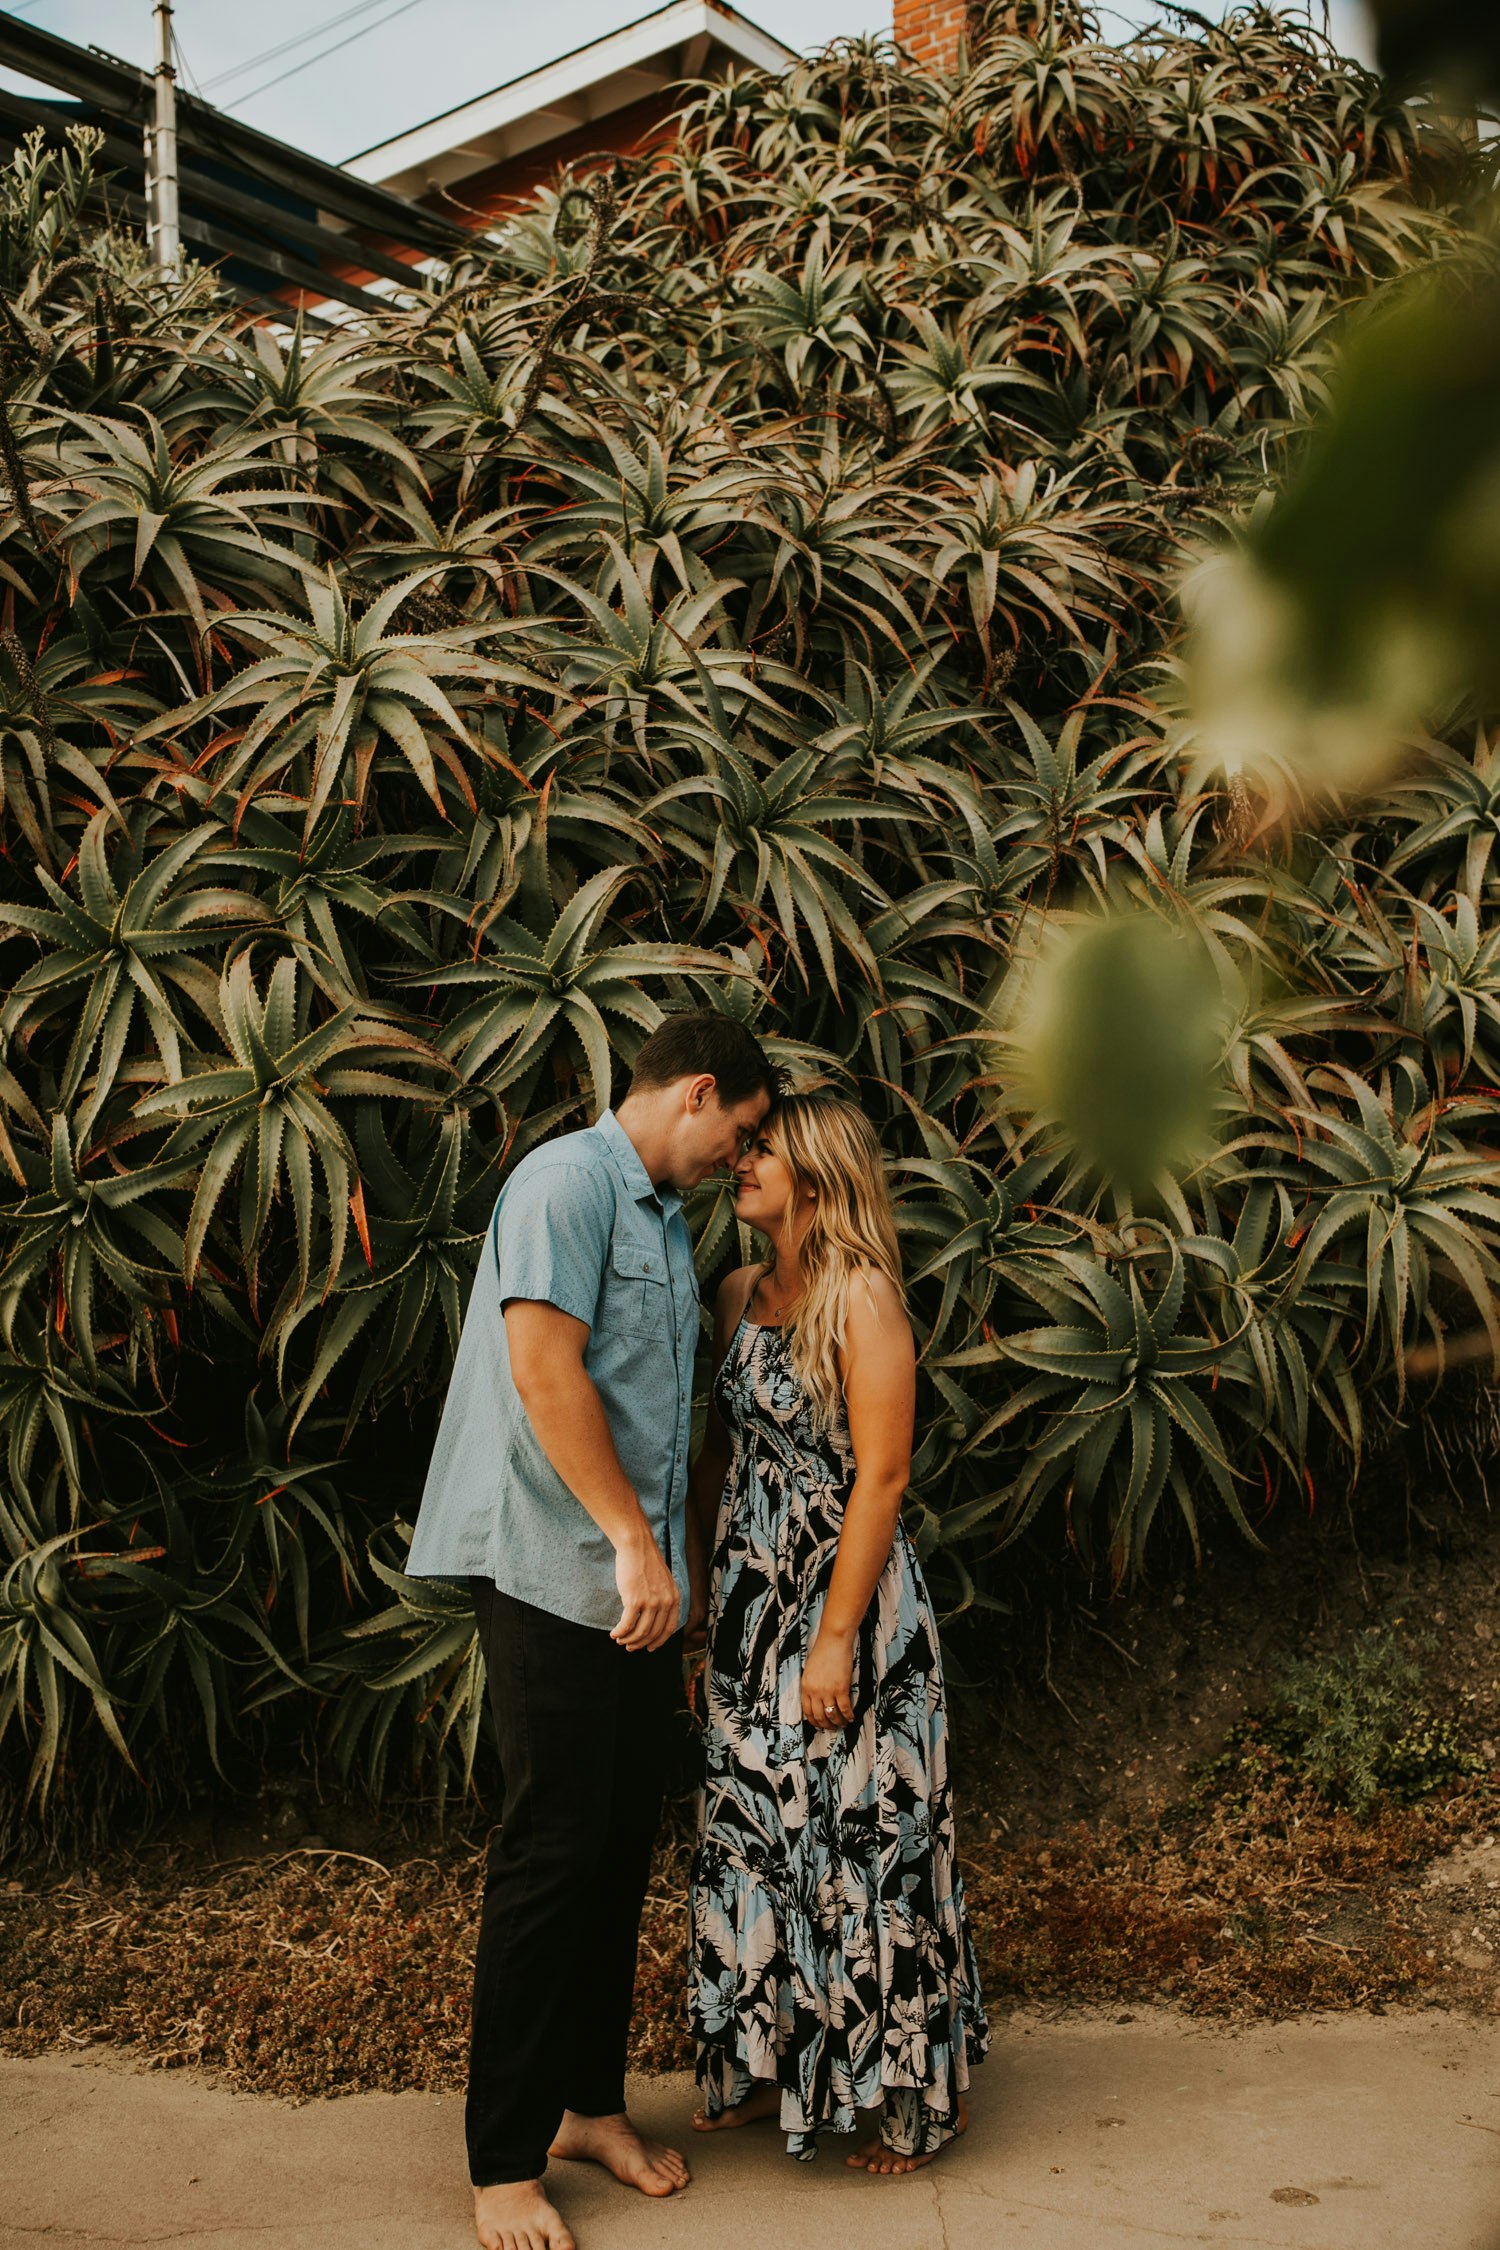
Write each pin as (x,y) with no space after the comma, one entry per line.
(578,1225)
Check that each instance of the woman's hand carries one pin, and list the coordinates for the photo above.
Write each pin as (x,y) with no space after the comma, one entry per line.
(828,1680)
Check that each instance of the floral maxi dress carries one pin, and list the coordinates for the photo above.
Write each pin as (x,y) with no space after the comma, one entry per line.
(830,1951)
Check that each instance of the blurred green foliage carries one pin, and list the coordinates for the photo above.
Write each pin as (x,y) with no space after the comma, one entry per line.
(1365,602)
(1122,1034)
(1453,42)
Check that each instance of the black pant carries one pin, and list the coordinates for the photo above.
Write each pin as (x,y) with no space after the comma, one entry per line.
(585,1730)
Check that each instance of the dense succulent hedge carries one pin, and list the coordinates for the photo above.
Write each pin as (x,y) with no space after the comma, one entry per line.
(748,577)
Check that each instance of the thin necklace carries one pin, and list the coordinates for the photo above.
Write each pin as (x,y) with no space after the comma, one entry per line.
(777,1312)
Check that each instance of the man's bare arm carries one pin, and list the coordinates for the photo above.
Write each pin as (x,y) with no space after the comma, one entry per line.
(567,1414)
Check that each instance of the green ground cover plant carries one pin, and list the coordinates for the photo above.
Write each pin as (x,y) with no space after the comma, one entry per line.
(1356,1728)
(749,577)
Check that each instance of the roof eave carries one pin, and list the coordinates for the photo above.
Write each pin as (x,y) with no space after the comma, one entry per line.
(576,89)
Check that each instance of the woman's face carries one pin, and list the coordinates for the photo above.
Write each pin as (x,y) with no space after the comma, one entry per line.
(762,1186)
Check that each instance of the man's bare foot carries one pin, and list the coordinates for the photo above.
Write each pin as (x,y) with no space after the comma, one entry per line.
(764,2102)
(614,2142)
(874,2157)
(518,2216)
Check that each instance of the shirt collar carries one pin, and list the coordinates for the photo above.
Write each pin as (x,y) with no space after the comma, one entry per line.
(633,1172)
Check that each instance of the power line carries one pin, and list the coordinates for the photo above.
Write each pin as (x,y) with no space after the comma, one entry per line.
(281,76)
(286,46)
(185,66)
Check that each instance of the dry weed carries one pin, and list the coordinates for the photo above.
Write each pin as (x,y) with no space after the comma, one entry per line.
(320,1972)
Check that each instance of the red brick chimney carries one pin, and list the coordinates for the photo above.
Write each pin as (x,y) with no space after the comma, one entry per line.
(932,30)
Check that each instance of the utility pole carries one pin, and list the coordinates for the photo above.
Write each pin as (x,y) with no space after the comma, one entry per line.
(161,152)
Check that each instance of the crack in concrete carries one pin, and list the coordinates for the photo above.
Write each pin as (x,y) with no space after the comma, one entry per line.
(56,2232)
(942,2216)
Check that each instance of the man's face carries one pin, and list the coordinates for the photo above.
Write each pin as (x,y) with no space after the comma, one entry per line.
(714,1137)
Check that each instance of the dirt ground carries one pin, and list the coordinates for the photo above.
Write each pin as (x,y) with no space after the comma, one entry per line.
(300,1948)
(1142,1689)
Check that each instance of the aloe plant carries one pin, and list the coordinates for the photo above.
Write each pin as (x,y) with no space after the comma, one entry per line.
(745,576)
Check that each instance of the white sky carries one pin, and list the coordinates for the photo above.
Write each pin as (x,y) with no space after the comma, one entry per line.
(405,60)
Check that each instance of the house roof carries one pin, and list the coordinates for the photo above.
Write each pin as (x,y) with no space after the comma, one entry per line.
(680,40)
(270,215)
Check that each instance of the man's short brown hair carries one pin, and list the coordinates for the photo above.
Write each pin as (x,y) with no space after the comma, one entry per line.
(703,1043)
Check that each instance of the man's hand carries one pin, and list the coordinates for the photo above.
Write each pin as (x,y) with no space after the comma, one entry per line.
(827,1680)
(649,1600)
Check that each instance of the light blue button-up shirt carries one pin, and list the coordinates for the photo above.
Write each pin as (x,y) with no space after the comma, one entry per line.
(579,1225)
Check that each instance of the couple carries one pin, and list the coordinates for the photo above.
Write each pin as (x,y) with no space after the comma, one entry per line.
(831,1968)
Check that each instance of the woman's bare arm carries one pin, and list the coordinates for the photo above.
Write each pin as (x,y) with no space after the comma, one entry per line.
(880,1391)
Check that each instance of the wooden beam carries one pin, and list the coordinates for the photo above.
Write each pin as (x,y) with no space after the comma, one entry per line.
(225,141)
(211,197)
(121,91)
(289,315)
(215,195)
(83,71)
(296,271)
(227,245)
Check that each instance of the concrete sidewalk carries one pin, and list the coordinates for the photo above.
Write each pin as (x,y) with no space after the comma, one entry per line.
(1345,2133)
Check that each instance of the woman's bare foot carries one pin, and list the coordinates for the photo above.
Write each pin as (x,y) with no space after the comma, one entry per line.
(874,2157)
(764,2102)
(518,2216)
(614,2142)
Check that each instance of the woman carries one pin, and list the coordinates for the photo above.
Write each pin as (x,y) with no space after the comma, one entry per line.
(832,1970)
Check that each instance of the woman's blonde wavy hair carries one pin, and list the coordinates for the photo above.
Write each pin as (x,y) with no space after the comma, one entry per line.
(829,1145)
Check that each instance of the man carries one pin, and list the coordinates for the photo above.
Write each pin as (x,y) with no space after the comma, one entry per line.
(557,1489)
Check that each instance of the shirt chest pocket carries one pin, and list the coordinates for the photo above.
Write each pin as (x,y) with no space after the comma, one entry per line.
(636,1294)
